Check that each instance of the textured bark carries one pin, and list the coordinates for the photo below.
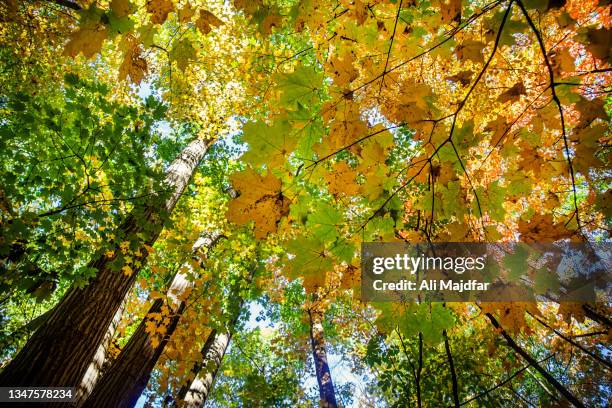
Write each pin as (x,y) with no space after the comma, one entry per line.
(213,351)
(123,383)
(62,349)
(319,355)
(95,369)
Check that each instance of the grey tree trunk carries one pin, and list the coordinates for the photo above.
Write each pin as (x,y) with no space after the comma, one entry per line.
(62,349)
(195,394)
(123,383)
(327,393)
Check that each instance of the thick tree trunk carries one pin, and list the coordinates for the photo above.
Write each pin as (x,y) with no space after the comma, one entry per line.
(319,355)
(123,383)
(62,349)
(96,367)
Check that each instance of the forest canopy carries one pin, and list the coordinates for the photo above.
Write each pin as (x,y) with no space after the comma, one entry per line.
(186,186)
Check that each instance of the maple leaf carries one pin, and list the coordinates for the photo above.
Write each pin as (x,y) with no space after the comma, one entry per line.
(599,43)
(127,271)
(323,222)
(299,87)
(346,127)
(269,145)
(260,201)
(541,228)
(154,341)
(182,53)
(207,21)
(186,13)
(562,61)
(342,180)
(450,11)
(463,77)
(309,257)
(87,39)
(411,105)
(343,70)
(133,64)
(248,6)
(159,10)
(150,326)
(512,314)
(271,21)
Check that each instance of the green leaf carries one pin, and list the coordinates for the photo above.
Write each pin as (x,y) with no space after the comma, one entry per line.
(299,87)
(324,221)
(308,256)
(270,145)
(516,262)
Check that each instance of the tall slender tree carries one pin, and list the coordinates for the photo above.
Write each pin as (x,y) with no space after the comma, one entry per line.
(327,393)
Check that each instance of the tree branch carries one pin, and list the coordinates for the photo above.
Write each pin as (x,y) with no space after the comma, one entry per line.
(519,350)
(66,3)
(558,103)
(573,343)
(501,384)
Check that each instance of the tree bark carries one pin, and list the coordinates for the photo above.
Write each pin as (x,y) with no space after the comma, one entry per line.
(195,394)
(61,350)
(96,367)
(123,383)
(319,355)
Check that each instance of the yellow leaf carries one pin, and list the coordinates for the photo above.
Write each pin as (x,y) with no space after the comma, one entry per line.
(150,326)
(124,246)
(154,342)
(133,64)
(470,50)
(341,181)
(86,40)
(343,70)
(127,271)
(260,200)
(450,11)
(512,314)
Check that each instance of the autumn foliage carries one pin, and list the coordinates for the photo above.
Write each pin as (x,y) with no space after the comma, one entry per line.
(186,185)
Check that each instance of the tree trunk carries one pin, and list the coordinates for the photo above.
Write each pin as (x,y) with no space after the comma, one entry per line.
(123,383)
(195,394)
(319,355)
(95,369)
(61,350)
(205,371)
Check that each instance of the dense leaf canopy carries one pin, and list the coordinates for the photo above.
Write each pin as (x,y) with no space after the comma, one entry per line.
(330,123)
